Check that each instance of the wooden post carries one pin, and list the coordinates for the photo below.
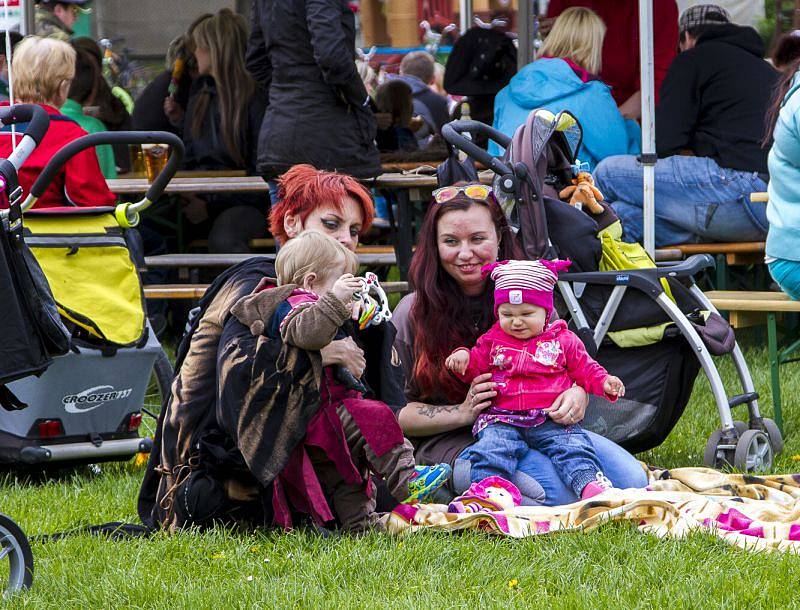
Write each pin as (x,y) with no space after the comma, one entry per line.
(403,20)
(796,16)
(373,23)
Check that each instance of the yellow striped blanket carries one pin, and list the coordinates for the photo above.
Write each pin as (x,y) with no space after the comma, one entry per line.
(751,512)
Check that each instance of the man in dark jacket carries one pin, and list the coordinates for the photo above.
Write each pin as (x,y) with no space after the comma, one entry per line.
(417,70)
(303,51)
(709,127)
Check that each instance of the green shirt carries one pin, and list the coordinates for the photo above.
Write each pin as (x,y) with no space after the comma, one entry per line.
(105,154)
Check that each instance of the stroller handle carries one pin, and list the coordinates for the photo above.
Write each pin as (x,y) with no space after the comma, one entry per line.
(38,121)
(114,137)
(453,135)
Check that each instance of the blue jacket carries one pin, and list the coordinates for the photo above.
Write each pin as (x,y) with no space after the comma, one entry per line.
(783,209)
(553,85)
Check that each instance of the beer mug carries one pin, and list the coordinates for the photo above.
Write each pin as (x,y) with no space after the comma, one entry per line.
(155,159)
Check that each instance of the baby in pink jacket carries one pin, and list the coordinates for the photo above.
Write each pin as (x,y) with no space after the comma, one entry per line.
(532,361)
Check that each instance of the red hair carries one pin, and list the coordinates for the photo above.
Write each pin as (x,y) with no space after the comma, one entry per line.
(304,188)
(440,317)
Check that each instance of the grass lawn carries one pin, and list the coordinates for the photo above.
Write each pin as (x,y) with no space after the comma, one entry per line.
(615,566)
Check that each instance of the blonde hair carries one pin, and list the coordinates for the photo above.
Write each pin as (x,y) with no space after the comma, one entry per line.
(312,252)
(577,33)
(40,66)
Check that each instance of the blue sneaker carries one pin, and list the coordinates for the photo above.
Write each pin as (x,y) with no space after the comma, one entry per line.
(425,481)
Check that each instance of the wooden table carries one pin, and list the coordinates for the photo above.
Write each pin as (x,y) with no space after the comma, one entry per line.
(405,189)
(185,185)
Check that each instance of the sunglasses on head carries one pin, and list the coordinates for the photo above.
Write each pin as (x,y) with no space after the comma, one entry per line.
(478,192)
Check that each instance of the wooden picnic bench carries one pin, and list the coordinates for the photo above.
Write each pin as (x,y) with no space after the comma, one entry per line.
(726,255)
(196,291)
(197,261)
(748,308)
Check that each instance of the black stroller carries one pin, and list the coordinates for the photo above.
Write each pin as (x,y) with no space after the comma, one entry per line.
(653,327)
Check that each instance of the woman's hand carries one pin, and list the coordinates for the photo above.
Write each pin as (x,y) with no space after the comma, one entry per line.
(173,111)
(569,407)
(632,107)
(479,398)
(346,353)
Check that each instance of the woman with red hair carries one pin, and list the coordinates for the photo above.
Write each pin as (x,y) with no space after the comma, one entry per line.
(451,307)
(225,424)
(327,202)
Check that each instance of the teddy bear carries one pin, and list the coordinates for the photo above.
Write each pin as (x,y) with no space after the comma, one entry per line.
(491,494)
(583,193)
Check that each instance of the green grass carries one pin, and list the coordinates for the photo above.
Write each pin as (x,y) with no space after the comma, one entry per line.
(615,566)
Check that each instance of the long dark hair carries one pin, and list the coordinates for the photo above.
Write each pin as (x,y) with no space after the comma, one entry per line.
(441,317)
(224,36)
(782,88)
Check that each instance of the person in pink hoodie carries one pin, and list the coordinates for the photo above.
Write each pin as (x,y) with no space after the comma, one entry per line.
(532,360)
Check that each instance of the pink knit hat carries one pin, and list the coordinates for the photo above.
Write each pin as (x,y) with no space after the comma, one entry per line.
(531,282)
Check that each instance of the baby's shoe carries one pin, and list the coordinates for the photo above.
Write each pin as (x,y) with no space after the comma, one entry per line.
(426,480)
(596,487)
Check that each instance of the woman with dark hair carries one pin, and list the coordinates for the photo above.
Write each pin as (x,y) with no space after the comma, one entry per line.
(105,102)
(81,94)
(219,130)
(786,51)
(783,207)
(451,307)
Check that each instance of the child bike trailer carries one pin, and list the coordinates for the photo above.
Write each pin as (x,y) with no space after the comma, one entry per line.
(88,405)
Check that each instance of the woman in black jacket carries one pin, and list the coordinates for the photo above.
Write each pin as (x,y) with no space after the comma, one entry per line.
(318,113)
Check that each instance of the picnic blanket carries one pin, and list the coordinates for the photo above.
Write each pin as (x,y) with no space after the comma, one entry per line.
(751,512)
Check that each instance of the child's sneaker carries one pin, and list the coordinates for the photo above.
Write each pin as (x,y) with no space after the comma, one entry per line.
(596,487)
(426,480)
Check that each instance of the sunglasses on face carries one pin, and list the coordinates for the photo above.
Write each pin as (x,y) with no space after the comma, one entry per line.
(478,192)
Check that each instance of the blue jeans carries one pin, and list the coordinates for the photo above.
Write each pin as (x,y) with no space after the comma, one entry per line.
(696,200)
(787,274)
(540,483)
(500,447)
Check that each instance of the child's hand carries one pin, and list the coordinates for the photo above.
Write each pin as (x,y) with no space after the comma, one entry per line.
(613,386)
(458,361)
(346,287)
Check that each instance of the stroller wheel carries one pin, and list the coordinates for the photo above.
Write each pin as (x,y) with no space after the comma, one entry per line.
(753,452)
(711,457)
(774,434)
(740,427)
(16,558)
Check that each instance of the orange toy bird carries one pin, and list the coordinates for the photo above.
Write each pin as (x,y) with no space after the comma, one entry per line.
(583,193)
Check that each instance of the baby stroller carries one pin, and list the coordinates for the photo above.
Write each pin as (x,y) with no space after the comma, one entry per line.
(31,346)
(87,406)
(651,326)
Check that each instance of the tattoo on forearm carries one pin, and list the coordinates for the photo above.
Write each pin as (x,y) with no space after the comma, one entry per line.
(431,411)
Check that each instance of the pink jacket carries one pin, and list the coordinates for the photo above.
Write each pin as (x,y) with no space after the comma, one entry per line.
(534,372)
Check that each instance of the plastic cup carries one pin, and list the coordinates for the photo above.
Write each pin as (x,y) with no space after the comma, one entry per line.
(137,158)
(155,159)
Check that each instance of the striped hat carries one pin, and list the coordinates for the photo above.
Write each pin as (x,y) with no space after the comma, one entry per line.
(531,282)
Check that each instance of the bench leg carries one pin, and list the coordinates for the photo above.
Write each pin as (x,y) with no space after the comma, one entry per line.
(774,366)
(722,272)
(405,233)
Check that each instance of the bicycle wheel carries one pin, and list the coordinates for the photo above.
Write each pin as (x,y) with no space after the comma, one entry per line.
(160,383)
(16,558)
